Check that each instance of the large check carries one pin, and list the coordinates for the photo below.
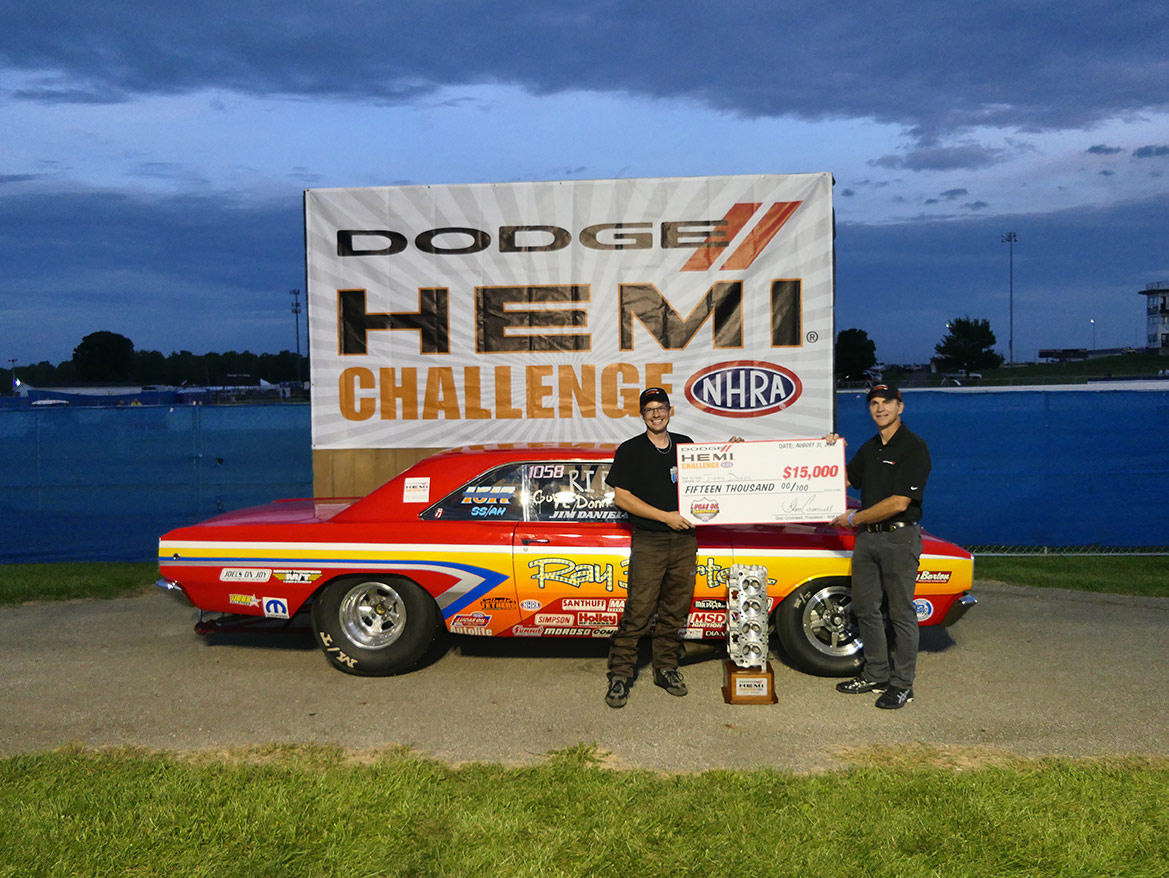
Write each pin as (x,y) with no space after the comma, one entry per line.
(794,480)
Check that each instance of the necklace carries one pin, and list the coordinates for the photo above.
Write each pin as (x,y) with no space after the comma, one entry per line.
(666,450)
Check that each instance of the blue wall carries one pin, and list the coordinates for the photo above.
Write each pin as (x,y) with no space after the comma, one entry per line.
(1044,467)
(102,484)
(1038,467)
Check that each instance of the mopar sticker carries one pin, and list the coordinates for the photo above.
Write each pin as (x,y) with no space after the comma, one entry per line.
(275,608)
(244,574)
(924,609)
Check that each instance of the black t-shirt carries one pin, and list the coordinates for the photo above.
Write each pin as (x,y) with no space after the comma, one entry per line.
(650,474)
(900,466)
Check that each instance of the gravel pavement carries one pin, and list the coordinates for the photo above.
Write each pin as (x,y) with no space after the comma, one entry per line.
(1028,671)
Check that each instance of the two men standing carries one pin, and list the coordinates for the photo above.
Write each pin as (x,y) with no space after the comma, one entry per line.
(890,469)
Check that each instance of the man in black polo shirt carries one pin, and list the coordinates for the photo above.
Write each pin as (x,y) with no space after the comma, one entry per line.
(891,470)
(663,548)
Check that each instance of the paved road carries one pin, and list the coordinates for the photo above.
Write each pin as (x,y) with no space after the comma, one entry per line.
(1029,671)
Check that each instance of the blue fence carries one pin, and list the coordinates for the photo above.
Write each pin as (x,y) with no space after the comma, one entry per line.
(1043,467)
(102,484)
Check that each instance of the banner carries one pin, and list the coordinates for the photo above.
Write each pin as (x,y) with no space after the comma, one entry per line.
(520,312)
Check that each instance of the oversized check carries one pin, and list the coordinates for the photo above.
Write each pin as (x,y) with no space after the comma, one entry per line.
(791,480)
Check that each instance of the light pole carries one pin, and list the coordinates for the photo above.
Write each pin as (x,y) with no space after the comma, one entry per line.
(12,367)
(296,320)
(1093,322)
(1010,238)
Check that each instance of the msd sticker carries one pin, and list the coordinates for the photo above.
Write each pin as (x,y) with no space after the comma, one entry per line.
(924,609)
(244,574)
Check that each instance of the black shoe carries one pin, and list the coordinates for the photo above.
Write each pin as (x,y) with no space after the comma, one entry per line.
(618,692)
(859,686)
(671,680)
(895,698)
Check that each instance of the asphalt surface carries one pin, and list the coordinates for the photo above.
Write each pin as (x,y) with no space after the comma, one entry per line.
(1028,671)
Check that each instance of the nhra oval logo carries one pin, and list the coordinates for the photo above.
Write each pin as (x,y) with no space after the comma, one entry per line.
(743,389)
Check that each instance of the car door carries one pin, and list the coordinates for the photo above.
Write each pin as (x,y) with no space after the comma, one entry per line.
(571,553)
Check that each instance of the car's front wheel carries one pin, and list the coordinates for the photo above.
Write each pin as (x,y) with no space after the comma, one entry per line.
(373,627)
(816,628)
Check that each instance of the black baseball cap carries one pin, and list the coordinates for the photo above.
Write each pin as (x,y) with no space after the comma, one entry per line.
(888,391)
(654,394)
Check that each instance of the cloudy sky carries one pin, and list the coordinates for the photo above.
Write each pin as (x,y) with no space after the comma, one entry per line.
(152,157)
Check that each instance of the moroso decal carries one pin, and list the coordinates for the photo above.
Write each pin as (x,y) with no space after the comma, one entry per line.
(743,389)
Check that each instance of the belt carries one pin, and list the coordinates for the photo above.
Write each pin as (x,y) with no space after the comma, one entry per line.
(888,526)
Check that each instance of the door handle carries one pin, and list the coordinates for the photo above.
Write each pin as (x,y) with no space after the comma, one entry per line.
(529,540)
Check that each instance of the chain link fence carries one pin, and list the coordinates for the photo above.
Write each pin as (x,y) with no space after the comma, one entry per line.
(1066,551)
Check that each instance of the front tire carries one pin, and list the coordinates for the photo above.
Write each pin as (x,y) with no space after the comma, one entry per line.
(374,626)
(817,630)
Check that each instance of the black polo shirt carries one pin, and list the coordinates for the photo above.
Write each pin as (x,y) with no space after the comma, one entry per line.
(901,466)
(649,474)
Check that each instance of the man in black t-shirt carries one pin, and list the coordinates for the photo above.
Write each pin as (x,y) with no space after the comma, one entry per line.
(891,470)
(663,548)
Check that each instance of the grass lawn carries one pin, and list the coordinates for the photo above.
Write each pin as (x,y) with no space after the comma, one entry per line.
(325,812)
(1114,574)
(66,581)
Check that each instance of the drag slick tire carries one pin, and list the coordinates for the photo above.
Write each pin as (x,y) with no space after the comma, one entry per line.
(373,626)
(816,628)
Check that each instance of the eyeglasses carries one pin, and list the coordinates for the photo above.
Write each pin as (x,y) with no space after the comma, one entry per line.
(651,411)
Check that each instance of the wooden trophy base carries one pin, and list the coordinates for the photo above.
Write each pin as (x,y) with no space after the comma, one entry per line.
(748,685)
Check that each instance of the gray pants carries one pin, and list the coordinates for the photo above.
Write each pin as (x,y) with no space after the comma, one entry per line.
(884,570)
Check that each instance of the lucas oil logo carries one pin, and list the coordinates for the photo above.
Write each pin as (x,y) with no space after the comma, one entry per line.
(704,509)
(743,389)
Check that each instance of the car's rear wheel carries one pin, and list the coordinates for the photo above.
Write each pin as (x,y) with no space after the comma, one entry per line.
(374,626)
(816,628)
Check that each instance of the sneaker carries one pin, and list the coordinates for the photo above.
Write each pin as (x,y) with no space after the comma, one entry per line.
(895,697)
(859,686)
(618,692)
(671,680)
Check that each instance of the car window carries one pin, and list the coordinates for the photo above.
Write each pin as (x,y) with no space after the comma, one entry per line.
(497,495)
(569,491)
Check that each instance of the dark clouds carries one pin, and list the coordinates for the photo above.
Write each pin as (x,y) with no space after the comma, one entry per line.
(173,273)
(936,68)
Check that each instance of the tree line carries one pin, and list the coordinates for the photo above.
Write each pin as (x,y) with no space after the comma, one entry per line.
(967,345)
(108,357)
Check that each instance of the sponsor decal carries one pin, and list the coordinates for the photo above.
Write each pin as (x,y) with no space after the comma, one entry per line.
(416,490)
(704,509)
(933,576)
(464,629)
(561,619)
(530,605)
(743,389)
(497,603)
(924,609)
(575,632)
(244,574)
(692,633)
(489,495)
(564,571)
(246,600)
(709,604)
(583,604)
(616,603)
(708,619)
(527,631)
(297,577)
(470,620)
(604,632)
(596,619)
(275,608)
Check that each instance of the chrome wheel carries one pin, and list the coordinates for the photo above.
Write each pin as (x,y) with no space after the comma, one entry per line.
(372,615)
(828,622)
